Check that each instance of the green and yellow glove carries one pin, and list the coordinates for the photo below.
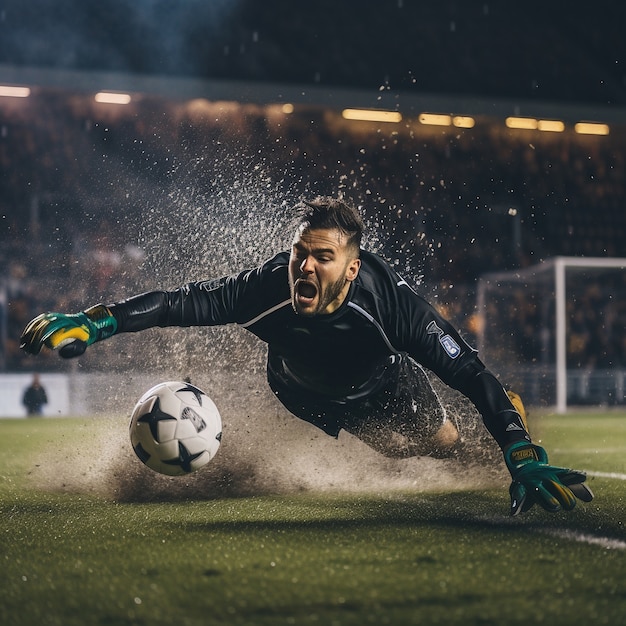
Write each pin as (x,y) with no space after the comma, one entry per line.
(69,334)
(535,481)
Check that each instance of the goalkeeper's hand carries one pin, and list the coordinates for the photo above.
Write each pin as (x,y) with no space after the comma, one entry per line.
(535,481)
(69,334)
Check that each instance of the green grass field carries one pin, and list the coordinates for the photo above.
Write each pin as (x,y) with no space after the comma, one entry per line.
(75,557)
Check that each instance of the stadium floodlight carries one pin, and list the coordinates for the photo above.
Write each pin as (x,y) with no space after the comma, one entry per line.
(551,126)
(591,128)
(11,91)
(435,119)
(524,123)
(371,115)
(463,121)
(109,97)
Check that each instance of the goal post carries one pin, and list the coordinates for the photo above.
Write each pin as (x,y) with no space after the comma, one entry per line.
(557,323)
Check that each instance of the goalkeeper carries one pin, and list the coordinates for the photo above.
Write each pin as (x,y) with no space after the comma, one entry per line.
(348,341)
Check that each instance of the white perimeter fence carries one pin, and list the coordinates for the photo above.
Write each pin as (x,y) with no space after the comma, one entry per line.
(114,394)
(76,394)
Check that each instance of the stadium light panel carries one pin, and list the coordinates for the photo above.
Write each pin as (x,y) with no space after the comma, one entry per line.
(371,115)
(112,98)
(463,121)
(435,119)
(591,128)
(526,123)
(9,91)
(551,126)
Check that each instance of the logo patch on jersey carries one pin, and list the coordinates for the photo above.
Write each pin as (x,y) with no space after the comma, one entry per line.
(449,345)
(211,285)
(433,329)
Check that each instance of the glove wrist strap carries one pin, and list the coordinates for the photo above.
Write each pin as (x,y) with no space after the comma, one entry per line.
(521,454)
(101,321)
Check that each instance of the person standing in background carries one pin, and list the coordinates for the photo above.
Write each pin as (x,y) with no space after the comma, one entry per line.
(34,397)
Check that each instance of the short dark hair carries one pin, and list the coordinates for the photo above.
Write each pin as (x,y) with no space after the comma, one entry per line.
(328,212)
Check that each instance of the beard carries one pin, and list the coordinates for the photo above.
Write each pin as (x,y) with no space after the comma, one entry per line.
(323,296)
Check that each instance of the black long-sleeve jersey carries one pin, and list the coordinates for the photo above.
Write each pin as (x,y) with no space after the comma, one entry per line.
(339,356)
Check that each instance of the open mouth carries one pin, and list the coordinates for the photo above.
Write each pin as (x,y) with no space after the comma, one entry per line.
(305,291)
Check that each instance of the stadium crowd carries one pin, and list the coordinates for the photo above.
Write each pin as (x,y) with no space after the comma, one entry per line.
(448,205)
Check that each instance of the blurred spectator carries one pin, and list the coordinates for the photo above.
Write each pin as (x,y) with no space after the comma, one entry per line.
(34,398)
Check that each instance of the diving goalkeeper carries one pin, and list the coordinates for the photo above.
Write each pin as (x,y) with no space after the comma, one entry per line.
(348,341)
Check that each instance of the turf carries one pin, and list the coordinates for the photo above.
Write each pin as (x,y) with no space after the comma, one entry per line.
(452,557)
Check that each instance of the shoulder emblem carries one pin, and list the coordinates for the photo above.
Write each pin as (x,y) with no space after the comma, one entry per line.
(447,342)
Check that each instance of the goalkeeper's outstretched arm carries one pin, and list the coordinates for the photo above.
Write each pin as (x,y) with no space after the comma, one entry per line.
(191,305)
(70,334)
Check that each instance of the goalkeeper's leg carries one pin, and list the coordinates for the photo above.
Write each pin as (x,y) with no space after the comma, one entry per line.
(406,419)
(444,441)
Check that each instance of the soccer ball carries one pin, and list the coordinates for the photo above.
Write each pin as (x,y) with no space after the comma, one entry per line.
(175,428)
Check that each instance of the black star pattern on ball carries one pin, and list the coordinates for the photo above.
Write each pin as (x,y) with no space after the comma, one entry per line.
(153,417)
(196,392)
(185,458)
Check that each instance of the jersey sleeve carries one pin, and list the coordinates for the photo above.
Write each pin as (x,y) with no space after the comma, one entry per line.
(434,342)
(216,302)
(428,337)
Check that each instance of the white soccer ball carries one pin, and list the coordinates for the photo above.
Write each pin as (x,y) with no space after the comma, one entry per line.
(175,428)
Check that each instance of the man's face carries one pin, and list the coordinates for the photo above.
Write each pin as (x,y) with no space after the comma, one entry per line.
(321,268)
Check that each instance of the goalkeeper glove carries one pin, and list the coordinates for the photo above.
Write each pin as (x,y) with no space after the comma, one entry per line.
(70,334)
(535,481)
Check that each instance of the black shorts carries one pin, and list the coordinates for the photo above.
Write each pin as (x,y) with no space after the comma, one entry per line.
(397,420)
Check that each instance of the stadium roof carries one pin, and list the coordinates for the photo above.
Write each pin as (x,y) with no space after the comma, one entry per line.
(569,53)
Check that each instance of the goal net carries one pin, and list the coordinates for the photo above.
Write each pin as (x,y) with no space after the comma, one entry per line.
(557,331)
